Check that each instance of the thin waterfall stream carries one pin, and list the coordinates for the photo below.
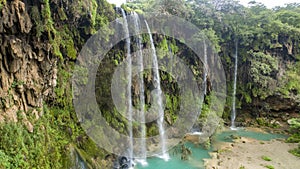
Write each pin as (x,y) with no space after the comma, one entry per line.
(233,112)
(140,155)
(143,152)
(158,99)
(129,84)
(205,68)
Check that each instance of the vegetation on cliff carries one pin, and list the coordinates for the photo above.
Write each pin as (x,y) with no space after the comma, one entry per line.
(268,52)
(39,42)
(42,38)
(268,42)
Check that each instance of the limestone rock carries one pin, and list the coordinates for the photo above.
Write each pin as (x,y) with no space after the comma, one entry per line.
(28,73)
(11,114)
(16,14)
(278,103)
(2,120)
(29,126)
(23,17)
(195,138)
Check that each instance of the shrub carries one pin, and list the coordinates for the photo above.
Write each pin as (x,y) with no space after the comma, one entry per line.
(266,158)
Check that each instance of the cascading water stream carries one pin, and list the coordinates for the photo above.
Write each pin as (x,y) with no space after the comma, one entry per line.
(205,68)
(158,99)
(143,152)
(129,83)
(233,112)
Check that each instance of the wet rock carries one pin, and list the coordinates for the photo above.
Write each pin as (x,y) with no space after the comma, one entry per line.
(196,138)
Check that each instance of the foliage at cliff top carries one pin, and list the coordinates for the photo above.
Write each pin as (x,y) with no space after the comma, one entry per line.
(267,40)
(268,44)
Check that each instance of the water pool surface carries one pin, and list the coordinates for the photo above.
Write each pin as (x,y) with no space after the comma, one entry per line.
(198,153)
(226,136)
(195,159)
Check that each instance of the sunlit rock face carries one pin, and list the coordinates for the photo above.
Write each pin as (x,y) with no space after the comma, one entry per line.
(28,73)
(35,38)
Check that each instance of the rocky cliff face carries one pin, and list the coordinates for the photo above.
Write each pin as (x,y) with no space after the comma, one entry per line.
(274,94)
(28,70)
(39,36)
(36,38)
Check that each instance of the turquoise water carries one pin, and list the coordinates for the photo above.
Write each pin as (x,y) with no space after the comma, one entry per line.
(195,159)
(198,153)
(226,136)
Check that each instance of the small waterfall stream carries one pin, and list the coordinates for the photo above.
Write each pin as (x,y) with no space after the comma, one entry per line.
(233,112)
(158,98)
(129,84)
(137,149)
(205,68)
(143,152)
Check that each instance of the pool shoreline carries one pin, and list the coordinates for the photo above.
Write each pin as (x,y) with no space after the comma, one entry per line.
(247,152)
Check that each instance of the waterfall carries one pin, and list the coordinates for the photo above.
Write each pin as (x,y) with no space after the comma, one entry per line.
(143,151)
(158,98)
(205,68)
(141,154)
(233,112)
(129,79)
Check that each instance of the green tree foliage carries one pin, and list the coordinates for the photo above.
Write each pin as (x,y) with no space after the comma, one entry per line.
(44,148)
(262,68)
(295,137)
(168,7)
(268,42)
